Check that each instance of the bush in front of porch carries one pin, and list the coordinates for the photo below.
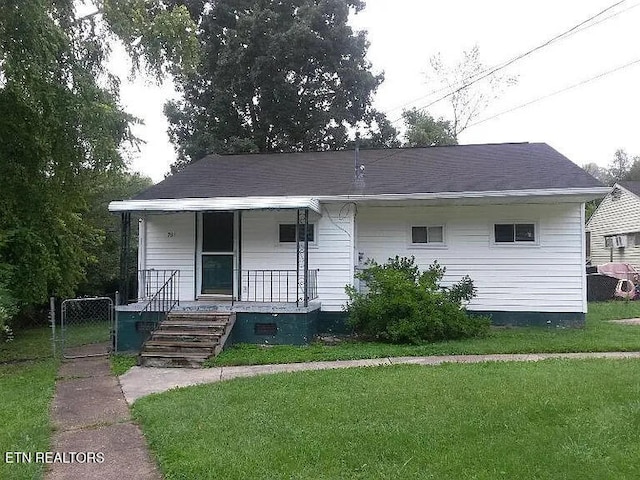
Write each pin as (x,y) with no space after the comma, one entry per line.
(404,305)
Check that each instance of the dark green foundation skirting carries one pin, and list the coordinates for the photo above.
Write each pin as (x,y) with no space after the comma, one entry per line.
(274,328)
(134,329)
(299,328)
(534,319)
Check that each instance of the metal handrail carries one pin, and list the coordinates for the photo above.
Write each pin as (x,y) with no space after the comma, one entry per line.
(166,297)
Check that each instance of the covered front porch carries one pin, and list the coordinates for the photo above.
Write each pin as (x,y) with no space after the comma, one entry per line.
(213,252)
(209,261)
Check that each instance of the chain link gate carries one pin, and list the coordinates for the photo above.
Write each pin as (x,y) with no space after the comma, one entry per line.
(86,327)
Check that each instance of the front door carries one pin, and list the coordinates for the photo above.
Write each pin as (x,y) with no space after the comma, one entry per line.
(217,257)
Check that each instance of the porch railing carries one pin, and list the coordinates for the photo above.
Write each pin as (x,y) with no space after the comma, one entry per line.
(160,290)
(276,286)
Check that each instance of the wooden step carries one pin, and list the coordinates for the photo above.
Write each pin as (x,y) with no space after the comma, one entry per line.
(172,359)
(204,348)
(170,322)
(197,317)
(186,333)
(187,339)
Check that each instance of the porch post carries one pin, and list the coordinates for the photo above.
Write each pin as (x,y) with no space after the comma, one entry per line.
(125,237)
(302,257)
(306,257)
(297,257)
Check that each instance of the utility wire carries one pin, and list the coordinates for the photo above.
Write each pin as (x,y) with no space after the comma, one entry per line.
(575,85)
(492,70)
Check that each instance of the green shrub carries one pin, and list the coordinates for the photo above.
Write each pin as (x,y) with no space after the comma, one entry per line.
(402,305)
(8,304)
(7,311)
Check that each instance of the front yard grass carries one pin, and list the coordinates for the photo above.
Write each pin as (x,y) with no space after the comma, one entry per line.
(598,335)
(546,420)
(27,383)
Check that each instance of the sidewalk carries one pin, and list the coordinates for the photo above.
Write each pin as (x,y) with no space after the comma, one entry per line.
(92,422)
(140,381)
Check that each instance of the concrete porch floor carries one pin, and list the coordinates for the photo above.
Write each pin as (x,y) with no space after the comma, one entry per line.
(222,306)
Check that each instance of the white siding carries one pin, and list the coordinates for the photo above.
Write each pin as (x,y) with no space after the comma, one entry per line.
(547,277)
(332,253)
(615,217)
(170,245)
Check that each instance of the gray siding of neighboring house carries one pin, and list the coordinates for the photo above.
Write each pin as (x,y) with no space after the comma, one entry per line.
(615,216)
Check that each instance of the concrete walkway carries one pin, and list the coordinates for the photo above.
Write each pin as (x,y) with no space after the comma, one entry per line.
(139,382)
(94,434)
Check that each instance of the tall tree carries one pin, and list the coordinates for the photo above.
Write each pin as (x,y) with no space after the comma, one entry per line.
(103,257)
(596,171)
(471,86)
(619,166)
(425,131)
(634,171)
(61,127)
(276,76)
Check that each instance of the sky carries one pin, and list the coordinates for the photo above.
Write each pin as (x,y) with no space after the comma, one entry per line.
(587,123)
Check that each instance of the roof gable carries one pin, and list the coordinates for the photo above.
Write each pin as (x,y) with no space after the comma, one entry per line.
(633,187)
(459,168)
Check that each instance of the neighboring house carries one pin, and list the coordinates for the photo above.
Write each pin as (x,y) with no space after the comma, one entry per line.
(613,231)
(511,216)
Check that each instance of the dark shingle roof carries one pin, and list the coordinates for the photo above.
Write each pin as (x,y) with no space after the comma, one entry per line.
(459,168)
(633,187)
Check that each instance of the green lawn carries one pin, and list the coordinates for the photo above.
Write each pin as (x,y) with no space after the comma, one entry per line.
(26,390)
(598,335)
(547,420)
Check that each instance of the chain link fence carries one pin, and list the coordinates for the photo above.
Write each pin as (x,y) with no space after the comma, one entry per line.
(86,327)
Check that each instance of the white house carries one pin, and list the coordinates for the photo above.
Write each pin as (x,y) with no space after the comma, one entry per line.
(511,216)
(613,231)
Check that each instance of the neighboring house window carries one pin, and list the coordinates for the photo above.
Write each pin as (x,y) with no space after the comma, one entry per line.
(514,232)
(608,241)
(588,243)
(636,239)
(621,241)
(427,235)
(287,233)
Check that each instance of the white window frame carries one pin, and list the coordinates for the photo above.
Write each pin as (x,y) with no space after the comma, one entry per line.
(516,243)
(427,244)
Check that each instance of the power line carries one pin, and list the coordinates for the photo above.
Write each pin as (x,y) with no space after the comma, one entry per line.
(575,85)
(492,70)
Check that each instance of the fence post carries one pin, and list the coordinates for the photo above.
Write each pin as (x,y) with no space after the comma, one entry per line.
(52,320)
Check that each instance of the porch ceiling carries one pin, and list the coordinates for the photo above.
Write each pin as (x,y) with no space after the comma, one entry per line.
(216,203)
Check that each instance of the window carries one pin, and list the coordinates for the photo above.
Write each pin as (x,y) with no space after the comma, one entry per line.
(608,241)
(427,235)
(287,233)
(515,233)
